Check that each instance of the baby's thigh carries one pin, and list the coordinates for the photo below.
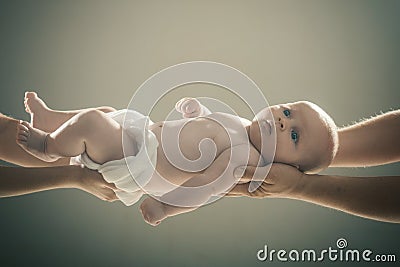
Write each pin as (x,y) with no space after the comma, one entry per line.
(104,143)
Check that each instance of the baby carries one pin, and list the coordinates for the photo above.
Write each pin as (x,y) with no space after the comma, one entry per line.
(306,138)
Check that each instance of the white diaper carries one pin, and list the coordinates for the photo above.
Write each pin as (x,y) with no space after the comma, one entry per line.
(127,172)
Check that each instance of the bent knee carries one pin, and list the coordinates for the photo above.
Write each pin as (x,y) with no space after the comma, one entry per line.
(90,116)
(106,109)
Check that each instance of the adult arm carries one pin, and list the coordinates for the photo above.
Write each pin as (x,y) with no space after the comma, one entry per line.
(371,142)
(16,181)
(370,197)
(374,141)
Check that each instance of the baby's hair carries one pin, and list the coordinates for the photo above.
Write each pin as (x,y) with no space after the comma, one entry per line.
(333,142)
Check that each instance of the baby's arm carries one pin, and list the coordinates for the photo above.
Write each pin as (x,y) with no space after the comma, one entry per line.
(191,108)
(222,169)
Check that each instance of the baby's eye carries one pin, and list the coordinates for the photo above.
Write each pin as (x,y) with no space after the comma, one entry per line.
(287,113)
(294,136)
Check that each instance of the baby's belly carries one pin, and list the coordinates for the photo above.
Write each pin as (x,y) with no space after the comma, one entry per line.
(187,147)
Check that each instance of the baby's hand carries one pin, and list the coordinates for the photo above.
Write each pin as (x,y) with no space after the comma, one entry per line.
(153,211)
(189,107)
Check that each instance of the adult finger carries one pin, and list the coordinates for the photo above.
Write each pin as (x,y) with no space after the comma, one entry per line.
(111,186)
(239,190)
(251,173)
(111,197)
(107,195)
(243,190)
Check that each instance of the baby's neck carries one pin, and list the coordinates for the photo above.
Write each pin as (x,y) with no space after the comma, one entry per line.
(247,128)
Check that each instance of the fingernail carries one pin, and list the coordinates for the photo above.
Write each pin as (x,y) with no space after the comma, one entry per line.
(253,186)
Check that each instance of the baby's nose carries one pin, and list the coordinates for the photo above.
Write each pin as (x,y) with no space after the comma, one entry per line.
(280,123)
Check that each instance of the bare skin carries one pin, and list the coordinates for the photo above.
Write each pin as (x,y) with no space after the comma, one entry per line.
(33,141)
(302,132)
(47,119)
(370,197)
(16,181)
(369,143)
(19,180)
(32,136)
(11,152)
(75,136)
(100,137)
(372,142)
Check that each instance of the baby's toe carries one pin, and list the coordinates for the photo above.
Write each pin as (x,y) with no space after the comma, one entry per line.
(22,141)
(26,124)
(21,138)
(30,99)
(22,134)
(22,128)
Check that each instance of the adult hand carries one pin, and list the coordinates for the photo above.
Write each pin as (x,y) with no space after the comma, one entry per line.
(282,181)
(93,182)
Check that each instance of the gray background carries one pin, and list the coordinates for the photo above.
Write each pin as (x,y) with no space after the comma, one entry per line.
(343,55)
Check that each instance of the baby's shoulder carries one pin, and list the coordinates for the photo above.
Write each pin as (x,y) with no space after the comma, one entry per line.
(228,118)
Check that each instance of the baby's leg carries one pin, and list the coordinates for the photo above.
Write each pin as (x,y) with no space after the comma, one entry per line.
(11,152)
(46,119)
(90,131)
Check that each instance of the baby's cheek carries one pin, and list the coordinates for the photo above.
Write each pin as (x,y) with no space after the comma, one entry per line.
(283,155)
(278,155)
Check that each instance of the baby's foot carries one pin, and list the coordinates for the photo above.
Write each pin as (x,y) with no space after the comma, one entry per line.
(33,141)
(40,113)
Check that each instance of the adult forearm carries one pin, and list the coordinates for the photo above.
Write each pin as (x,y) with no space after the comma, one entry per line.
(372,142)
(16,181)
(371,197)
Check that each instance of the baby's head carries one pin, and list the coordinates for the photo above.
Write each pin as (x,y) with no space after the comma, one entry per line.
(306,136)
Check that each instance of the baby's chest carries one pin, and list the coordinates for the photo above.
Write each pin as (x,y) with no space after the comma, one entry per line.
(209,135)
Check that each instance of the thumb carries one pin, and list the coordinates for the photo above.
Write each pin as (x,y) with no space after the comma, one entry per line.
(254,175)
(259,176)
(241,190)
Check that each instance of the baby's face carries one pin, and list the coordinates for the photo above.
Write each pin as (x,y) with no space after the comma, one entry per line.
(302,136)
